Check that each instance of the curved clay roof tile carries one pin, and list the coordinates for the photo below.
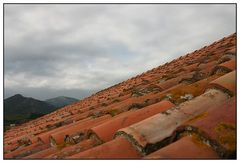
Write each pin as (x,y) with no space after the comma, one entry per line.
(187,147)
(41,154)
(229,65)
(118,148)
(225,83)
(217,126)
(22,150)
(156,129)
(107,130)
(73,149)
(60,136)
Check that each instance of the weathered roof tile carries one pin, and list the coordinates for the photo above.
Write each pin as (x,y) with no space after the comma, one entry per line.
(61,136)
(74,149)
(226,83)
(42,154)
(218,126)
(229,65)
(9,148)
(21,151)
(106,131)
(44,137)
(153,132)
(118,148)
(188,147)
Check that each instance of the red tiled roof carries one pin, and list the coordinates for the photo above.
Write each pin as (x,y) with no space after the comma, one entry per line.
(184,109)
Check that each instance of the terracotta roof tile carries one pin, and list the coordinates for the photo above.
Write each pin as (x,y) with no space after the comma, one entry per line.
(16,139)
(218,126)
(44,137)
(156,129)
(225,58)
(229,65)
(226,83)
(78,117)
(231,51)
(42,154)
(33,139)
(183,92)
(207,68)
(189,147)
(118,148)
(165,84)
(74,149)
(21,151)
(106,131)
(61,136)
(37,148)
(9,148)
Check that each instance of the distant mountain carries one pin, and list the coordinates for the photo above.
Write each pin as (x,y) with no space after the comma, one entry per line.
(61,101)
(18,109)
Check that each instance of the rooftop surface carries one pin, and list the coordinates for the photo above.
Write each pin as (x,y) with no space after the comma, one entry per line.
(188,103)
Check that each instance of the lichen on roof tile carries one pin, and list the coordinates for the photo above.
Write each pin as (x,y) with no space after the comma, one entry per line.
(218,127)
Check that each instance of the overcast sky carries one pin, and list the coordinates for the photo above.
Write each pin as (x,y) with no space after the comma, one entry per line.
(76,50)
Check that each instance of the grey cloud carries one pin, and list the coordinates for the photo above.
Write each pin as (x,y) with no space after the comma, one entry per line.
(90,47)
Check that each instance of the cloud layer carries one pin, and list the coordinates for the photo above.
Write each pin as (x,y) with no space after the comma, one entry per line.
(76,50)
